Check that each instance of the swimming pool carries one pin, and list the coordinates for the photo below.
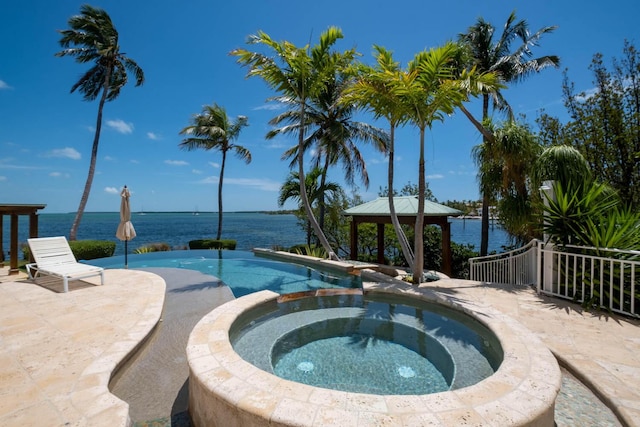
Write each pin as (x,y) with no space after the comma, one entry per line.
(242,271)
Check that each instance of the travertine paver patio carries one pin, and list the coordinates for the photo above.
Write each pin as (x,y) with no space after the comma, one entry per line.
(57,351)
(602,350)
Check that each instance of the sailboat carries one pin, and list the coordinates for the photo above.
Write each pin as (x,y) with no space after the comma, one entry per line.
(141,211)
(196,213)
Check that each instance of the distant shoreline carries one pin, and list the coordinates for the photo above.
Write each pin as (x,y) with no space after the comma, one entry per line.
(281,212)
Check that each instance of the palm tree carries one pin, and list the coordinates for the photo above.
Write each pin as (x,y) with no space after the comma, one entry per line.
(315,192)
(212,130)
(487,55)
(292,73)
(427,91)
(373,90)
(332,132)
(505,167)
(93,38)
(562,163)
(431,92)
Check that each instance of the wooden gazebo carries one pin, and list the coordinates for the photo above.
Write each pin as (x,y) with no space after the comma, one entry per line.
(14,211)
(406,207)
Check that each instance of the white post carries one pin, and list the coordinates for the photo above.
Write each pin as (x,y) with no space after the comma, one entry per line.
(547,193)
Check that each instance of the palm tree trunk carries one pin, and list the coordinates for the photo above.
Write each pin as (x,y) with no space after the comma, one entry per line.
(73,233)
(224,160)
(321,198)
(484,232)
(402,238)
(418,262)
(303,191)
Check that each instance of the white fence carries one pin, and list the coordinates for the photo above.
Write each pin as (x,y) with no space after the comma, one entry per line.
(594,277)
(517,267)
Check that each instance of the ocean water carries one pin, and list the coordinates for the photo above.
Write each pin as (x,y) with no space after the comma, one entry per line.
(249,229)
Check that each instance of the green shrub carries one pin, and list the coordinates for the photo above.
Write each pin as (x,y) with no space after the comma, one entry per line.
(212,244)
(311,250)
(153,247)
(92,249)
(85,249)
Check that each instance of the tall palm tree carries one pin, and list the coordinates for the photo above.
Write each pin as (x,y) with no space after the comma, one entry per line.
(93,38)
(489,55)
(332,132)
(315,192)
(427,91)
(213,130)
(292,73)
(373,90)
(431,92)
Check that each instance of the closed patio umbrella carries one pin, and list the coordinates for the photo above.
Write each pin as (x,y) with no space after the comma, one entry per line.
(125,231)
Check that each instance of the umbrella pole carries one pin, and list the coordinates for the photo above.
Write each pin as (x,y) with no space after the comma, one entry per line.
(125,254)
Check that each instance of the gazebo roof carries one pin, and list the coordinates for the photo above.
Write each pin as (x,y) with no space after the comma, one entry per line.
(404,206)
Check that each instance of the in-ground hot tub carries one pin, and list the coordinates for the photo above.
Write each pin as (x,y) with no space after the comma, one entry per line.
(395,355)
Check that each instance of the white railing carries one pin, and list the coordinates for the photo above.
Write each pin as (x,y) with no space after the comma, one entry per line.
(595,277)
(517,267)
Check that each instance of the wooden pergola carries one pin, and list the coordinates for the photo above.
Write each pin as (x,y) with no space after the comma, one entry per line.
(14,211)
(406,207)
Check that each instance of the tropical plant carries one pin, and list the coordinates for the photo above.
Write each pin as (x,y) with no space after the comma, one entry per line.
(296,73)
(561,163)
(504,173)
(427,91)
(92,38)
(511,66)
(431,92)
(213,130)
(605,123)
(589,222)
(290,189)
(331,129)
(373,90)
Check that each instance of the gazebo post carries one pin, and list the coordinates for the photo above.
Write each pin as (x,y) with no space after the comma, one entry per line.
(14,211)
(13,247)
(380,243)
(1,240)
(446,248)
(354,239)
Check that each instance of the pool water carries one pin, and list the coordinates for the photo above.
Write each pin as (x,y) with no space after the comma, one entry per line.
(242,271)
(346,363)
(367,344)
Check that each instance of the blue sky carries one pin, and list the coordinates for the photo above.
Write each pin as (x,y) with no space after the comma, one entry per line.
(183,47)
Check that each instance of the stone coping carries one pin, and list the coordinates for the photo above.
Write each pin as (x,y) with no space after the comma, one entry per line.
(225,390)
(58,351)
(342,266)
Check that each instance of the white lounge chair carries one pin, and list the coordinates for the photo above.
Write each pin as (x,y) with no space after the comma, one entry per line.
(53,257)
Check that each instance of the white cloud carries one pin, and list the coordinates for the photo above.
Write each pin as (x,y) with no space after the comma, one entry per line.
(196,171)
(589,93)
(215,165)
(153,136)
(68,152)
(4,85)
(3,178)
(120,126)
(260,184)
(111,190)
(59,175)
(134,161)
(435,176)
(176,162)
(274,106)
(109,158)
